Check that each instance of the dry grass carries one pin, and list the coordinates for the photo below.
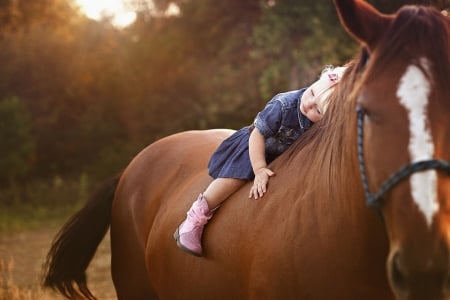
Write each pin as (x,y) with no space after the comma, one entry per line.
(21,258)
(9,290)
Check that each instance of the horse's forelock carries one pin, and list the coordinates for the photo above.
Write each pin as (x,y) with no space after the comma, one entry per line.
(416,32)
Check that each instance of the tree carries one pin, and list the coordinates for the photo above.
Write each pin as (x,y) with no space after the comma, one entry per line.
(296,39)
(96,95)
(16,140)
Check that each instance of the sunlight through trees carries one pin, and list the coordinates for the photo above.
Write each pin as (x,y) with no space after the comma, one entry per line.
(89,95)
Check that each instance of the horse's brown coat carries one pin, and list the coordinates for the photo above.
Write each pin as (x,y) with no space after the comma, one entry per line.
(309,237)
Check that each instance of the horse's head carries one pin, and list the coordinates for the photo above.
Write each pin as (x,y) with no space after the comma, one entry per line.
(403,99)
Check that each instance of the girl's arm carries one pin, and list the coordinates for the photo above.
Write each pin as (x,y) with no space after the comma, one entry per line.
(256,148)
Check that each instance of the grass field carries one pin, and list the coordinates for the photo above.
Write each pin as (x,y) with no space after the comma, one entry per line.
(30,216)
(22,255)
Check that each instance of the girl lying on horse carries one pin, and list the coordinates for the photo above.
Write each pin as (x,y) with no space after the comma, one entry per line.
(244,156)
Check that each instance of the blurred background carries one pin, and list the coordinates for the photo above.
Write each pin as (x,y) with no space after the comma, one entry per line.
(86,84)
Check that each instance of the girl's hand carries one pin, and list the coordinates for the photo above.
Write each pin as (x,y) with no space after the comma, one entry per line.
(259,187)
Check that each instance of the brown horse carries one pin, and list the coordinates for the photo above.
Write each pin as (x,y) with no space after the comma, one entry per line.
(311,236)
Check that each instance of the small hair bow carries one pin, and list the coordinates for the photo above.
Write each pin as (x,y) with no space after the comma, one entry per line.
(333,77)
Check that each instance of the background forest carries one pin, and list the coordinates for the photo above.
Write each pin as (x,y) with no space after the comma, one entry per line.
(79,98)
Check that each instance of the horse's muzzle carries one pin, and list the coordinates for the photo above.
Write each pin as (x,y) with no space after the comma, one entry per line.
(419,275)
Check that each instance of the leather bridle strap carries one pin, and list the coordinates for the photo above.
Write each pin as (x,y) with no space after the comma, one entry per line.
(374,199)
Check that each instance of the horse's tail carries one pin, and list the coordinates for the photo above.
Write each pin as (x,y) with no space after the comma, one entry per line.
(76,243)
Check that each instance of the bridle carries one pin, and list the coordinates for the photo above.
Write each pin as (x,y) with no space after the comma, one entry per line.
(375,199)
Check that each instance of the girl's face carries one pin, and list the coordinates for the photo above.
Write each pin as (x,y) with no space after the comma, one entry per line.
(313,102)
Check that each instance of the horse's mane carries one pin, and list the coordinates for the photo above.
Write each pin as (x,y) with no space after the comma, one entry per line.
(416,32)
(325,150)
(324,145)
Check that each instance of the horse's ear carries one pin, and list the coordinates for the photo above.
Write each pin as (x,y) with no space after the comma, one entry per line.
(362,20)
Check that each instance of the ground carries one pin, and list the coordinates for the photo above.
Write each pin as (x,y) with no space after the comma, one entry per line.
(22,255)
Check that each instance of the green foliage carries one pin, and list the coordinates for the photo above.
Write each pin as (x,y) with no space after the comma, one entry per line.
(90,96)
(17,142)
(39,202)
(51,192)
(296,40)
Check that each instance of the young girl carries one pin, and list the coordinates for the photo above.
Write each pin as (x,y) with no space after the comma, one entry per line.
(245,154)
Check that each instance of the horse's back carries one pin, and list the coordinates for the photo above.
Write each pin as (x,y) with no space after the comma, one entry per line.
(162,178)
(160,170)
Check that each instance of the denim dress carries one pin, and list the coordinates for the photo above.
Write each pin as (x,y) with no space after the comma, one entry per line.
(280,122)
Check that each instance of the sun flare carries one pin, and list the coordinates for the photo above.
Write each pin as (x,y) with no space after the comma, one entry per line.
(121,16)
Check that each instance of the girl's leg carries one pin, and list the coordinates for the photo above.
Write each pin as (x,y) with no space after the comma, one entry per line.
(220,189)
(189,234)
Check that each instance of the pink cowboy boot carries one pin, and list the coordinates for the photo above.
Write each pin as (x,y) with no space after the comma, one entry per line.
(189,234)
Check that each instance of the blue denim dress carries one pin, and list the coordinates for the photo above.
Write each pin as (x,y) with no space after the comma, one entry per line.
(280,122)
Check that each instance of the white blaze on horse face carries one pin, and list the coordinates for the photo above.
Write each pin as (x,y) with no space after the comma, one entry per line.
(413,92)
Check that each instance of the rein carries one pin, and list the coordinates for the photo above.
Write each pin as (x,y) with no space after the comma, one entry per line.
(374,199)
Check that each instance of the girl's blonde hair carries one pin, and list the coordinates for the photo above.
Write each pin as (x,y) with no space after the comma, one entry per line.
(333,75)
